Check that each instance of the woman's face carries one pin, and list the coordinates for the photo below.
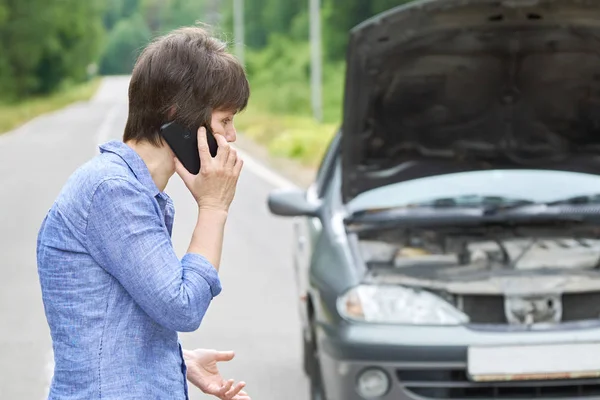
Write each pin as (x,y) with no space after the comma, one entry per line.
(222,123)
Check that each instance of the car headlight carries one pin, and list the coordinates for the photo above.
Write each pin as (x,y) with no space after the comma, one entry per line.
(397,305)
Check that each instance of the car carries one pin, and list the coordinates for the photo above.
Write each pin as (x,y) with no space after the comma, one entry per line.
(449,245)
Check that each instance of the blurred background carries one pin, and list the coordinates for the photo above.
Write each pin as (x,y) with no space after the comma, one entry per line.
(64,75)
(57,49)
(64,67)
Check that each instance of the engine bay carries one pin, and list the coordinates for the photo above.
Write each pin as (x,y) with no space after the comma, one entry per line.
(503,276)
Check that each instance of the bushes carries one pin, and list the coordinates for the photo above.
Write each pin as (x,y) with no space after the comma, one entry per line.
(45,43)
(133,23)
(125,41)
(280,80)
(280,113)
(13,115)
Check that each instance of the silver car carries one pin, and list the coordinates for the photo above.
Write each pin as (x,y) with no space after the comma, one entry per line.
(449,247)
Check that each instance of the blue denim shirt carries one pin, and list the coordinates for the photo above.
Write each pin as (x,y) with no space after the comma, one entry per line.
(115,293)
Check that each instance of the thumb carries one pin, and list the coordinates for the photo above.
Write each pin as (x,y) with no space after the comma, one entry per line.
(224,355)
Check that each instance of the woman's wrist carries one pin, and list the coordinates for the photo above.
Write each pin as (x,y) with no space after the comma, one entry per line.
(212,212)
(207,238)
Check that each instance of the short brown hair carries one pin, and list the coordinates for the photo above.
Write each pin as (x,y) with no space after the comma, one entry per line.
(188,71)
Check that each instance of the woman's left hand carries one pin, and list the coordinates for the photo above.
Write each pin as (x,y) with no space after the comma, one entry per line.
(203,373)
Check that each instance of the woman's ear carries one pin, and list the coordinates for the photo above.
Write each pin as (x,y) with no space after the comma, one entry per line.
(172,111)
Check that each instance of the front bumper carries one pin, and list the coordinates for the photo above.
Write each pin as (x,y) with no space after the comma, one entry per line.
(431,362)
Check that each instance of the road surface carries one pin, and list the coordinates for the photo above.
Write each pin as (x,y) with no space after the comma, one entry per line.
(256,313)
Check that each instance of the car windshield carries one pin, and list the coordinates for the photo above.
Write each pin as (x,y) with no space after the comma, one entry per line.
(480,188)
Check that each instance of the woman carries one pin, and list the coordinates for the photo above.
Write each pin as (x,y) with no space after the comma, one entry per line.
(115,294)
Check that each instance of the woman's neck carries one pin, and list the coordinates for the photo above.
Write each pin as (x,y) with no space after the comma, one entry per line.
(159,160)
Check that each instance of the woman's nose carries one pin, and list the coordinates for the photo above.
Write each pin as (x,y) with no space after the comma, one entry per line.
(231,135)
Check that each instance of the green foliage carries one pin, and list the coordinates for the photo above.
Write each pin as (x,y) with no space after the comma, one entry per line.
(13,115)
(117,10)
(277,58)
(256,36)
(46,43)
(281,72)
(181,13)
(280,79)
(338,24)
(278,64)
(278,15)
(124,43)
(278,52)
(133,23)
(290,18)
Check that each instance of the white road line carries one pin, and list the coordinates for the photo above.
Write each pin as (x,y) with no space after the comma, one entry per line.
(263,172)
(250,163)
(258,169)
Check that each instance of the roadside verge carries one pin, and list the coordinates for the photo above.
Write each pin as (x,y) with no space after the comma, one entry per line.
(289,169)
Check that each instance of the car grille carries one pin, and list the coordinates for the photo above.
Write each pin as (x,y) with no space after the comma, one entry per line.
(490,309)
(452,383)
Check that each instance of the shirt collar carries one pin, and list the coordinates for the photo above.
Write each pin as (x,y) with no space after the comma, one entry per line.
(135,163)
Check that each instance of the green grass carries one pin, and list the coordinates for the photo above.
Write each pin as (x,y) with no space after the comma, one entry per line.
(279,113)
(298,137)
(15,114)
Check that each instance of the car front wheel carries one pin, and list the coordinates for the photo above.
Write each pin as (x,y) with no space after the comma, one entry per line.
(317,391)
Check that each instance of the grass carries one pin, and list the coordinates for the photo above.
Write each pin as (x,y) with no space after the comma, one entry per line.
(15,114)
(298,137)
(279,112)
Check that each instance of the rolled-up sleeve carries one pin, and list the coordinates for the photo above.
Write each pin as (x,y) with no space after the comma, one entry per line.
(127,237)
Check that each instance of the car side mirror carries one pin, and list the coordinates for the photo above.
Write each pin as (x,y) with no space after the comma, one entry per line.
(291,203)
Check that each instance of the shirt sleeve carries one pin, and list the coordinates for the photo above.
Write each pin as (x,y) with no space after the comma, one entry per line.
(127,237)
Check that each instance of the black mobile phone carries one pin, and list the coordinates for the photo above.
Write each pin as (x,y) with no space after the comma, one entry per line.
(184,143)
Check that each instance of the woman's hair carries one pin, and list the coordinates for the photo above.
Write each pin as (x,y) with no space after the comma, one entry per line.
(183,76)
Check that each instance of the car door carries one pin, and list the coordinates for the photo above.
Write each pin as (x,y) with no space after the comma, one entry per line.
(308,229)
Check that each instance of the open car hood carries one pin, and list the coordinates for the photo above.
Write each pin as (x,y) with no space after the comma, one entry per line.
(444,86)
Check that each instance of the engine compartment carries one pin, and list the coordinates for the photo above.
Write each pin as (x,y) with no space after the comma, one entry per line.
(495,277)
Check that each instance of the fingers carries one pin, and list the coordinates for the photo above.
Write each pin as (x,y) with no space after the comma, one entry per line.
(237,168)
(227,154)
(229,391)
(232,158)
(223,149)
(203,146)
(224,355)
(222,393)
(235,390)
(241,396)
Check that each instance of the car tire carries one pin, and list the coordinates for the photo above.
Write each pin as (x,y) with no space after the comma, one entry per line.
(307,352)
(317,392)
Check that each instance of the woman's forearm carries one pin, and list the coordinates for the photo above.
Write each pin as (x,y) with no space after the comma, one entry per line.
(207,239)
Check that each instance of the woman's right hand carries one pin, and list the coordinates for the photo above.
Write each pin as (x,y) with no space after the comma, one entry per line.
(214,186)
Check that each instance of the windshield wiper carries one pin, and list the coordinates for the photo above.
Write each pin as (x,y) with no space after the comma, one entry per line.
(590,199)
(460,202)
(478,210)
(576,200)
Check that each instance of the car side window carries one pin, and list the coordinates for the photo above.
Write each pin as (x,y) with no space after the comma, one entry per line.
(325,171)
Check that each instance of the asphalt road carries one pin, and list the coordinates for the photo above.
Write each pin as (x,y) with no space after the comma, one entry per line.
(255,315)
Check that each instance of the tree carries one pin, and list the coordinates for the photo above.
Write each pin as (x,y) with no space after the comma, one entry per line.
(45,43)
(182,13)
(117,10)
(338,24)
(124,44)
